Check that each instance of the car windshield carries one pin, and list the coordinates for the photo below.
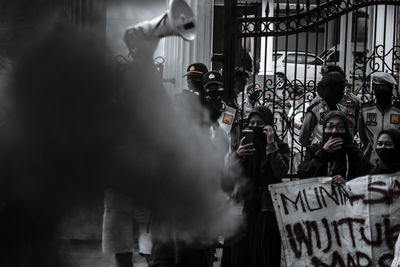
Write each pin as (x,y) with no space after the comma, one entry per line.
(330,55)
(277,55)
(322,55)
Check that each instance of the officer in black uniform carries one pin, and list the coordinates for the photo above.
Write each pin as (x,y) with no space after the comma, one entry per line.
(189,101)
(378,115)
(221,113)
(194,77)
(213,91)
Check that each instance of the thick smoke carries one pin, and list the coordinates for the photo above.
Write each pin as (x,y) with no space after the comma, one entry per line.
(174,167)
(76,129)
(171,163)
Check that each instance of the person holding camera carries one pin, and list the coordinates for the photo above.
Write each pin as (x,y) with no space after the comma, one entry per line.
(265,160)
(337,155)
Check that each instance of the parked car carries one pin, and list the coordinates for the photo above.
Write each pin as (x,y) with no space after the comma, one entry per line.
(300,67)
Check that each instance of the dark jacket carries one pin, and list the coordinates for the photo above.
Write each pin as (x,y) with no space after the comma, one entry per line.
(268,165)
(349,161)
(264,168)
(318,162)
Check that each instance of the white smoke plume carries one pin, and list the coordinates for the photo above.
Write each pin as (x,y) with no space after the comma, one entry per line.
(75,129)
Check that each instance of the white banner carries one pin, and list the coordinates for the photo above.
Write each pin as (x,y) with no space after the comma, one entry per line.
(327,225)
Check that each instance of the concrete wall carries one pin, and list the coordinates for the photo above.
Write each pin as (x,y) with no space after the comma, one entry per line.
(124,13)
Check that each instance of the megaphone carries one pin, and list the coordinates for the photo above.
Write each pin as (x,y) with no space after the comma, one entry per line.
(177,20)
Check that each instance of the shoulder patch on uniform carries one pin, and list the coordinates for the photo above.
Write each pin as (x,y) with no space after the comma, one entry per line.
(395,118)
(228,118)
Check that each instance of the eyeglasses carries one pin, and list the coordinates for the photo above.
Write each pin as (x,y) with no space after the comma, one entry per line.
(330,126)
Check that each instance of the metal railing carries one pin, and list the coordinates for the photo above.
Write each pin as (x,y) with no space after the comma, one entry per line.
(290,43)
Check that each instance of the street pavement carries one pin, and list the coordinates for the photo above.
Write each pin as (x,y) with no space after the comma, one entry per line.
(88,254)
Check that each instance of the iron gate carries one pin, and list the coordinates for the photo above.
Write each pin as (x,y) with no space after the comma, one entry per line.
(292,41)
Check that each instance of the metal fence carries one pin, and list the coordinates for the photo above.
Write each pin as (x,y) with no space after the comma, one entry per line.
(287,44)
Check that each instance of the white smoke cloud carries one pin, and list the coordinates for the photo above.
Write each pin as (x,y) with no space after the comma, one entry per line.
(83,133)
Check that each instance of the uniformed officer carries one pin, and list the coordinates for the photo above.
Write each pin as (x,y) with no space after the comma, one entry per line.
(220,113)
(194,77)
(378,115)
(189,100)
(330,94)
(350,103)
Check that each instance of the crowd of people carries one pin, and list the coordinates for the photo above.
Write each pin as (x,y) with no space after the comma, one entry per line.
(72,131)
(328,130)
(338,137)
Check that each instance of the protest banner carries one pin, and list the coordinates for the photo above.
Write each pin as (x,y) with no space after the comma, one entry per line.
(324,224)
(396,260)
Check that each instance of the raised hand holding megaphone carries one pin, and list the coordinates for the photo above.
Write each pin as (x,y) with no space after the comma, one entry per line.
(179,20)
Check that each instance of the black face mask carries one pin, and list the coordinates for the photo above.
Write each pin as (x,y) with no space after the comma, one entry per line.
(214,106)
(258,133)
(387,155)
(332,95)
(215,103)
(383,98)
(254,95)
(327,136)
(195,85)
(334,99)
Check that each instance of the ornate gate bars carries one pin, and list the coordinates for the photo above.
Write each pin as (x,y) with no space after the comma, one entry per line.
(361,36)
